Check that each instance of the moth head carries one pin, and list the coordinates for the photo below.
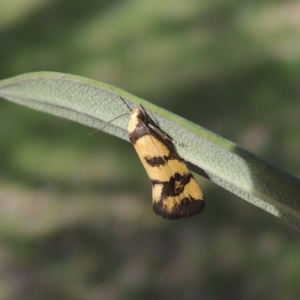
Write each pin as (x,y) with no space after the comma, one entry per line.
(136,117)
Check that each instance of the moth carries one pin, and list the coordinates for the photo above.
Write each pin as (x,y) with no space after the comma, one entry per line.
(175,192)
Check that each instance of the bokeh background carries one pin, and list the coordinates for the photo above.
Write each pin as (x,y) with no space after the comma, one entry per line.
(76,220)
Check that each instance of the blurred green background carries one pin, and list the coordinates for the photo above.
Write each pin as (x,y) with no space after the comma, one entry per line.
(76,220)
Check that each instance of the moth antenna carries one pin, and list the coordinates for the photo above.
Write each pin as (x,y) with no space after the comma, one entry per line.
(130,109)
(109,123)
(126,103)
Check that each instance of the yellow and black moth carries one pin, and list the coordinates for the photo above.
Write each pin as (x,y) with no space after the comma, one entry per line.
(175,192)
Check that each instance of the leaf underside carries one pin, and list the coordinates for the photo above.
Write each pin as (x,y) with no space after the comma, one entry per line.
(95,104)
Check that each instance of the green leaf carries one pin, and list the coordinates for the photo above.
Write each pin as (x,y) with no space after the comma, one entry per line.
(95,104)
